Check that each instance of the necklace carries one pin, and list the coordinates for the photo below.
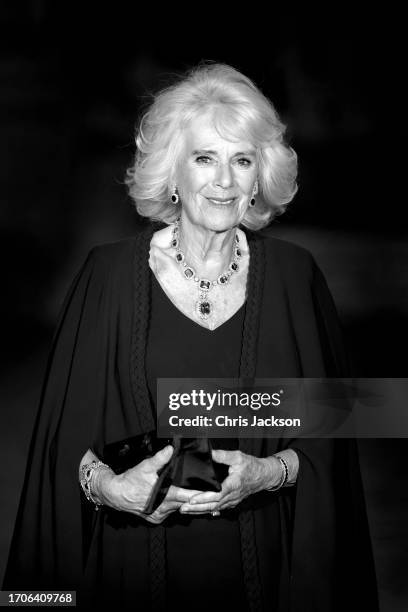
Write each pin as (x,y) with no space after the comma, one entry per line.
(203,306)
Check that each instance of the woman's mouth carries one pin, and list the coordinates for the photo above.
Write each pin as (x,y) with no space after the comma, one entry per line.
(221,201)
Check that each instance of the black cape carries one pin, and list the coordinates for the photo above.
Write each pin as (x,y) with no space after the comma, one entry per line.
(91,396)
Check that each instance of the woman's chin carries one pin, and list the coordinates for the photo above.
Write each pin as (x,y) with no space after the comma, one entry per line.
(221,217)
(220,225)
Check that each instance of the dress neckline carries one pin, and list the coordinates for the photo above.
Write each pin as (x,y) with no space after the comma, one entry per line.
(173,306)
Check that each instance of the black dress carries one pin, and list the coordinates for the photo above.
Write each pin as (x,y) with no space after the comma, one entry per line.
(95,393)
(203,553)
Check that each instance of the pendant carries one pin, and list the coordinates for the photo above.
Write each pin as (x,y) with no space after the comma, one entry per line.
(204,308)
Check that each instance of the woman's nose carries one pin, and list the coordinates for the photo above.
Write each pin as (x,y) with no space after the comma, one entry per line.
(224,176)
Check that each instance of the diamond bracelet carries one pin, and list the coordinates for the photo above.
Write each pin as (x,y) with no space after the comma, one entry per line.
(87,471)
(285,475)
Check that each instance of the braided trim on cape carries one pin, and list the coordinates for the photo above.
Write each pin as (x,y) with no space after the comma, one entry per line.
(157,562)
(256,276)
(140,327)
(140,331)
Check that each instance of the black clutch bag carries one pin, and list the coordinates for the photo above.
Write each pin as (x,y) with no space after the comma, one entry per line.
(190,467)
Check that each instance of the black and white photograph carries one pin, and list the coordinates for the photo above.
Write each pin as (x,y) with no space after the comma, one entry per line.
(197,207)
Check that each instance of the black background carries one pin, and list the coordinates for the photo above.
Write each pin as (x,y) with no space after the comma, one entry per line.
(73,81)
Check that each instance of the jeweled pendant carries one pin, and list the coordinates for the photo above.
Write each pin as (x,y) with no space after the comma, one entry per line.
(223,279)
(205,284)
(204,308)
(188,272)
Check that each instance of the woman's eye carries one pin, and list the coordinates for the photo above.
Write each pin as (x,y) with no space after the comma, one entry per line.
(243,161)
(205,160)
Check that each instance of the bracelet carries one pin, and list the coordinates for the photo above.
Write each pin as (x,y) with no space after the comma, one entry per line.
(87,471)
(285,475)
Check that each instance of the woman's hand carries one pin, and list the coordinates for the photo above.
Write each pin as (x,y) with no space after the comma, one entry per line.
(131,490)
(247,475)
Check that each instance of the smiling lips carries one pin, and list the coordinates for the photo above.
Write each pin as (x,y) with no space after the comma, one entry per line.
(221,201)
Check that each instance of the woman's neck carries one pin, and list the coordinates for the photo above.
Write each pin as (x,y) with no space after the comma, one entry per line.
(208,252)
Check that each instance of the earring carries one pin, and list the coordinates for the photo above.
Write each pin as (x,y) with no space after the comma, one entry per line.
(254,192)
(175,196)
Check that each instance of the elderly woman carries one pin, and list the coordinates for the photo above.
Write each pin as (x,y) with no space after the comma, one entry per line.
(197,293)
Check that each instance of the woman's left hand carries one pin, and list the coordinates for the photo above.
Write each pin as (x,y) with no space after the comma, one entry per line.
(247,475)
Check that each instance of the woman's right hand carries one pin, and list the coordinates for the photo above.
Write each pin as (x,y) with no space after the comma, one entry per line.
(131,490)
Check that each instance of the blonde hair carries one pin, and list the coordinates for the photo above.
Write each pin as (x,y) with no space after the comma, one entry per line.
(240,110)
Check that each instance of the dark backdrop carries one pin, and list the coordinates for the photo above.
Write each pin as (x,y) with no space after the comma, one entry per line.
(72,82)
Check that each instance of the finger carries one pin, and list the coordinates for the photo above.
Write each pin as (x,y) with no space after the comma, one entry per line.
(224,456)
(201,509)
(224,502)
(169,505)
(205,497)
(231,483)
(156,519)
(229,503)
(162,457)
(198,508)
(181,495)
(165,508)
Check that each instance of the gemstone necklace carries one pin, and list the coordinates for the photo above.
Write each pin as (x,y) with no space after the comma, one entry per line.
(203,306)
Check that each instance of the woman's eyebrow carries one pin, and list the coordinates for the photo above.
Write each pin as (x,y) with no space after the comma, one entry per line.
(247,153)
(201,151)
(211,152)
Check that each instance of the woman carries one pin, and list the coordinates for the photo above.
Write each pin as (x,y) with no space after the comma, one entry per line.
(197,294)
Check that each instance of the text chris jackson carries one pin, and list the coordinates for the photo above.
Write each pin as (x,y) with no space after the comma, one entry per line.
(225,421)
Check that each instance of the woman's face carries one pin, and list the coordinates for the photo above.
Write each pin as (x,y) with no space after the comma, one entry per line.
(216,177)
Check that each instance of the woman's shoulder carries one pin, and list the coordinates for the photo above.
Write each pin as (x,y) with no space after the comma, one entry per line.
(118,252)
(290,257)
(115,250)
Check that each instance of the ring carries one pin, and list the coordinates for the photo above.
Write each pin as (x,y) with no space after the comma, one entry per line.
(215,513)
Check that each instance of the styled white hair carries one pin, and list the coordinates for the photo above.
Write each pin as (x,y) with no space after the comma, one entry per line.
(239,111)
